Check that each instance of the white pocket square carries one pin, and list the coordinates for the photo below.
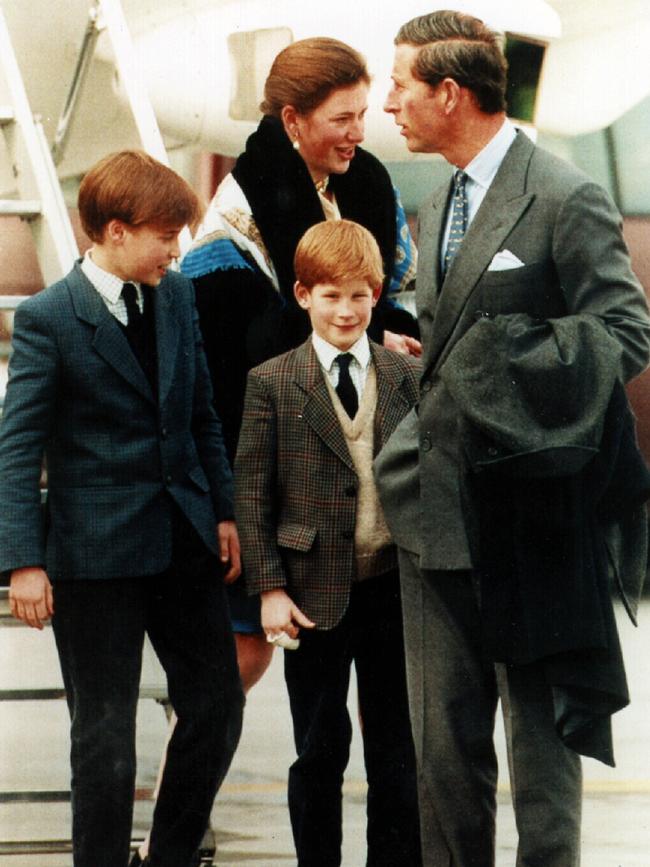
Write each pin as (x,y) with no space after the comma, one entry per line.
(504,260)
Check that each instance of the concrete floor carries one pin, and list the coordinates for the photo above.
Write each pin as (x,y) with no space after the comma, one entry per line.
(250,815)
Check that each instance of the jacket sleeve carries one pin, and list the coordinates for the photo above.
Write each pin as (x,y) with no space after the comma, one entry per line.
(594,270)
(27,420)
(256,491)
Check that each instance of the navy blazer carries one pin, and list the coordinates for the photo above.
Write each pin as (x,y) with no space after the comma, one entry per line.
(117,456)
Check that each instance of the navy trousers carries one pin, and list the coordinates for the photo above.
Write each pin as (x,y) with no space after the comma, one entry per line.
(317,677)
(99,628)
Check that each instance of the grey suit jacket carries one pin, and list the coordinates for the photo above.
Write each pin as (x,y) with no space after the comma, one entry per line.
(566,231)
(296,482)
(116,456)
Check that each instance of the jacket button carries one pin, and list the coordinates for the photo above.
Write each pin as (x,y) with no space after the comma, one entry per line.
(163,432)
(168,480)
(350,491)
(427,385)
(492,451)
(347,534)
(426,443)
(481,314)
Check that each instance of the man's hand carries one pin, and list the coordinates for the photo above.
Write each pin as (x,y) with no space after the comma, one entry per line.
(281,614)
(229,550)
(403,344)
(30,596)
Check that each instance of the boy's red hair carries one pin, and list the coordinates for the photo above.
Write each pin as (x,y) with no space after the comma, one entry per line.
(337,251)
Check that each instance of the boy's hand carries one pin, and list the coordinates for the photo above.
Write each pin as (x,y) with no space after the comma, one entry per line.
(403,344)
(30,596)
(229,549)
(281,614)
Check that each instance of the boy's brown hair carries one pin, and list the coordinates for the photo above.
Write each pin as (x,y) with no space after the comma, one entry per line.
(336,251)
(135,188)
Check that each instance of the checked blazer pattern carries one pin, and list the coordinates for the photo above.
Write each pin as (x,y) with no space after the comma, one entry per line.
(116,455)
(295,482)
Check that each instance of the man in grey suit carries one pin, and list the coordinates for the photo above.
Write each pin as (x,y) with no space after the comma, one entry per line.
(523,282)
(108,380)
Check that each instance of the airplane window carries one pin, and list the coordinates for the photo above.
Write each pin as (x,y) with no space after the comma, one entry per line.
(525,60)
(251,55)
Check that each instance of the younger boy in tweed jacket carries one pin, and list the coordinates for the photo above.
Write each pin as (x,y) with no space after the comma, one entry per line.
(316,547)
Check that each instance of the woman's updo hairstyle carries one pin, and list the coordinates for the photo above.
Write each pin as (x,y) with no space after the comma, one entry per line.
(306,72)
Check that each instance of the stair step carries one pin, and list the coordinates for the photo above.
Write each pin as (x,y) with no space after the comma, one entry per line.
(7,115)
(26,208)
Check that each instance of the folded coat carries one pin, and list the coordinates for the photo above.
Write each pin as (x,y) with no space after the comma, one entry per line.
(555,485)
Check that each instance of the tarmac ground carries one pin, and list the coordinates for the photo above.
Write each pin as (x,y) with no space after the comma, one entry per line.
(250,818)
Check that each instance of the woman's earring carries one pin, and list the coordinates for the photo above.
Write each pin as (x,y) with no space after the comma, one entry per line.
(296,143)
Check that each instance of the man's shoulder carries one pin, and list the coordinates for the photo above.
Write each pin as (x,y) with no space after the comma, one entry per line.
(284,366)
(389,363)
(550,172)
(55,297)
(179,286)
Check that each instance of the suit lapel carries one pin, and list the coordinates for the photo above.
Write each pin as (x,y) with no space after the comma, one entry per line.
(427,290)
(392,403)
(167,336)
(109,341)
(503,206)
(317,410)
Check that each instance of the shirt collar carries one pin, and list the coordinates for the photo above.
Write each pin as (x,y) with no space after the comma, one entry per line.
(108,285)
(327,354)
(485,164)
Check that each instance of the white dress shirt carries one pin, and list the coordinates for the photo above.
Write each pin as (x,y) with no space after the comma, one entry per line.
(480,174)
(361,358)
(110,288)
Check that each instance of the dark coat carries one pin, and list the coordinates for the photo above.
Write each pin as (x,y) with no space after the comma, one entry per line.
(116,456)
(553,472)
(244,319)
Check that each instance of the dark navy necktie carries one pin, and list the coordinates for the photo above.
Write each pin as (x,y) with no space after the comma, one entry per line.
(130,296)
(458,225)
(345,388)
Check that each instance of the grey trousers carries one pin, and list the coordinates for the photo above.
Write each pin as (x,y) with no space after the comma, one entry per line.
(453,694)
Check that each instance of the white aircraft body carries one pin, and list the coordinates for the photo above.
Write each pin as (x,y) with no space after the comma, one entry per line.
(203,63)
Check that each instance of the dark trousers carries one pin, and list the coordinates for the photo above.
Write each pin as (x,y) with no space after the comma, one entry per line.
(454,689)
(99,628)
(317,676)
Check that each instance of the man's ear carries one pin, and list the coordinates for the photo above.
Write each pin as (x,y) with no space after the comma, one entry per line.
(450,90)
(302,294)
(115,231)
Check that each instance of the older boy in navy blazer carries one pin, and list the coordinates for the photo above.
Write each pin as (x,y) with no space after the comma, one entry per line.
(108,381)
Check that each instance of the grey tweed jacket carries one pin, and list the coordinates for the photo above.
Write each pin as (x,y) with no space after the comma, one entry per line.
(116,456)
(295,482)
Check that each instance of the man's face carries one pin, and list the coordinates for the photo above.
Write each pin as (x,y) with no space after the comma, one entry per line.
(416,107)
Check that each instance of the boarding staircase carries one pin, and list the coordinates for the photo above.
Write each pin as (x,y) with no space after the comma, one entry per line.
(40,202)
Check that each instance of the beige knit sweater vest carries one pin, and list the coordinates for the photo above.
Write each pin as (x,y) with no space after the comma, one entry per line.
(375,553)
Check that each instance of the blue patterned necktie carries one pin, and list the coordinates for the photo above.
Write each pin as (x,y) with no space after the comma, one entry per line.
(458,219)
